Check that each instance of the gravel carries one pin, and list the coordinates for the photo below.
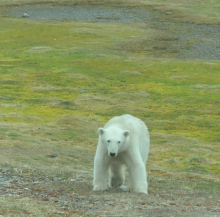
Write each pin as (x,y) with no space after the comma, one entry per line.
(195,41)
(5,179)
(89,13)
(73,197)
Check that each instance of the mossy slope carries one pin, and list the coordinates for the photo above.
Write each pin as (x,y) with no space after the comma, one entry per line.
(54,72)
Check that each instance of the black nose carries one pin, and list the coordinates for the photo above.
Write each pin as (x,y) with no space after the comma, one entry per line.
(112,154)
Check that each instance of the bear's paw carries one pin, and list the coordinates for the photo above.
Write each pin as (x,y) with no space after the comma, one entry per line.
(99,188)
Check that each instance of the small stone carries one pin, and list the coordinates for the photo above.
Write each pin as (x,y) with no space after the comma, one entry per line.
(82,91)
(54,155)
(14,170)
(25,15)
(26,166)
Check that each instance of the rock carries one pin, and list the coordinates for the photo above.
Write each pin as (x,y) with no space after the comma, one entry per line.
(26,166)
(14,170)
(25,15)
(26,189)
(60,213)
(54,155)
(82,91)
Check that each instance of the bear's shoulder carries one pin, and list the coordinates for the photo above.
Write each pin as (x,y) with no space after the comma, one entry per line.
(119,121)
(125,122)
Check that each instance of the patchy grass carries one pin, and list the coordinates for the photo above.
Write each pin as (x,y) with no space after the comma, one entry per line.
(60,81)
(41,79)
(174,98)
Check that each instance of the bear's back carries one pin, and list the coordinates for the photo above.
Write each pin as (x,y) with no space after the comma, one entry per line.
(128,122)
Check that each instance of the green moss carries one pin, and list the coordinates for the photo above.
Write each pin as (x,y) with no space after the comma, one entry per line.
(13,135)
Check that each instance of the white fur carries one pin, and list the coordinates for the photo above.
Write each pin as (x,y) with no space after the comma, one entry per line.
(124,140)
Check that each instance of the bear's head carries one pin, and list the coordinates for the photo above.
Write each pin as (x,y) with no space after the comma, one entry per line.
(114,139)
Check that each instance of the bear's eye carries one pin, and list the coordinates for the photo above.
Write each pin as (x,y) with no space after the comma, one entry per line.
(119,142)
(108,140)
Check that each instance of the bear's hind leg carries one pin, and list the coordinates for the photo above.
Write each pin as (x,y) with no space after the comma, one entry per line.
(116,175)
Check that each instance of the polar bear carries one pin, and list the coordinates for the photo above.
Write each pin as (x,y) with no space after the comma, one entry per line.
(124,140)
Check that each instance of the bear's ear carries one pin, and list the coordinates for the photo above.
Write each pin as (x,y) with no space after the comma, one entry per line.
(126,133)
(101,131)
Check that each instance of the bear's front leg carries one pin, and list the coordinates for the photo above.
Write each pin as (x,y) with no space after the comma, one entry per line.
(138,177)
(100,174)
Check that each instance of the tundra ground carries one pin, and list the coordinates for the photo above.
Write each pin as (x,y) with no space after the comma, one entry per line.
(63,79)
